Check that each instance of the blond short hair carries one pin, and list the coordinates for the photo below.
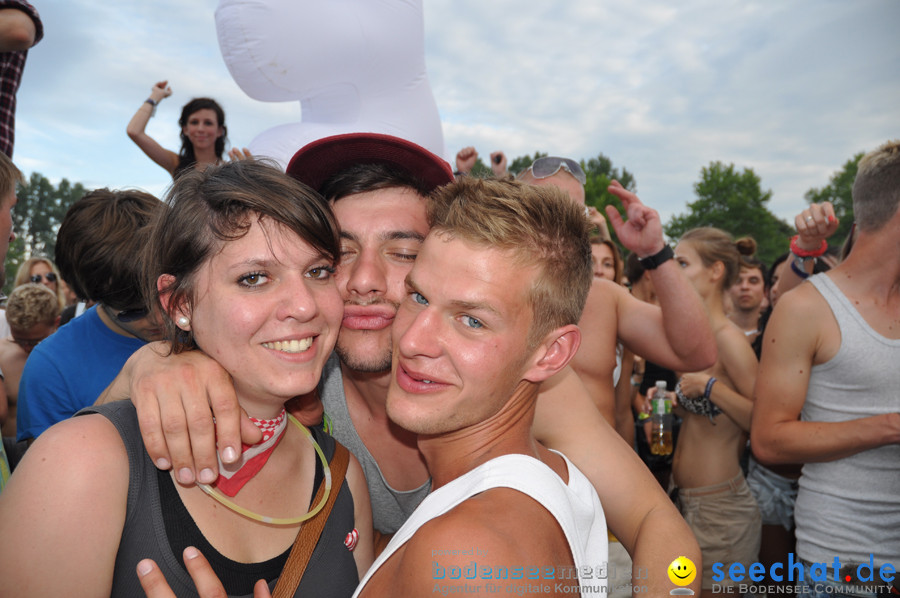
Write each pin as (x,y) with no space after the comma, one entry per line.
(876,190)
(31,304)
(539,226)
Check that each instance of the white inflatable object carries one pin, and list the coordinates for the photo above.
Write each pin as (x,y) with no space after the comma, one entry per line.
(354,66)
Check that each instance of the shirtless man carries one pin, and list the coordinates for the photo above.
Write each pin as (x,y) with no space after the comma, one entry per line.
(371,276)
(664,334)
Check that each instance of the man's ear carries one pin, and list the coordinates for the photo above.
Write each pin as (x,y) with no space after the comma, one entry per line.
(164,285)
(554,353)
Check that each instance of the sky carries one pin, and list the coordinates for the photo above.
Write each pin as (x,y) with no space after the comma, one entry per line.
(790,89)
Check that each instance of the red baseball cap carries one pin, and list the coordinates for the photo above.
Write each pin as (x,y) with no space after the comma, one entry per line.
(316,162)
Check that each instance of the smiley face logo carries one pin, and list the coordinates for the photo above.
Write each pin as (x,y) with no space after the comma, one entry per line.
(682,571)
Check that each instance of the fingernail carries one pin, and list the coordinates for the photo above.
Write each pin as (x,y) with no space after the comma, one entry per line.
(163,463)
(144,567)
(207,476)
(830,218)
(185,476)
(191,553)
(229,455)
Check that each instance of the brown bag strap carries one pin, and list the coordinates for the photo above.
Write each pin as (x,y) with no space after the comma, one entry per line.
(309,534)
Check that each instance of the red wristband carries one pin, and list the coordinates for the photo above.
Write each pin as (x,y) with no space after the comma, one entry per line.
(795,249)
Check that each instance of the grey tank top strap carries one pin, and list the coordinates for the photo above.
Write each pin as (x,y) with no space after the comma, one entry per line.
(390,507)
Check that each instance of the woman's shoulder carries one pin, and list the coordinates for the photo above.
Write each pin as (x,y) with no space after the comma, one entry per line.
(86,445)
(730,337)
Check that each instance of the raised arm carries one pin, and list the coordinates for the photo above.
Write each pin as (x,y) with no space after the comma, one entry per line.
(792,337)
(17,30)
(165,158)
(637,510)
(677,334)
(465,159)
(814,225)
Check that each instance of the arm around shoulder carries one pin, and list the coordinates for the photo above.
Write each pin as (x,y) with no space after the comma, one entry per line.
(65,507)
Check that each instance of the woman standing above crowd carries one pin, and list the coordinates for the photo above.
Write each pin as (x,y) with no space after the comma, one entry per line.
(203,133)
(715,406)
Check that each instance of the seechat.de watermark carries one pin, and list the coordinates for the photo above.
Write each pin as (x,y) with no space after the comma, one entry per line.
(792,576)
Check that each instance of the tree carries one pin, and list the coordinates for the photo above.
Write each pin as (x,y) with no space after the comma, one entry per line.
(39,211)
(839,192)
(600,173)
(523,162)
(734,201)
(481,170)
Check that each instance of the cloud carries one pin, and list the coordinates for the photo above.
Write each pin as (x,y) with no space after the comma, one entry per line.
(792,90)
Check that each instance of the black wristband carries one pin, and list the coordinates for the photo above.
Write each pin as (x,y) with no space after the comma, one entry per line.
(652,262)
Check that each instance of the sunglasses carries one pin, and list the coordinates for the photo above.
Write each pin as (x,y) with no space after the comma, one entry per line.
(49,277)
(131,315)
(549,165)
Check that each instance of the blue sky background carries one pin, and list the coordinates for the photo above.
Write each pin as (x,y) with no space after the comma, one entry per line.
(791,89)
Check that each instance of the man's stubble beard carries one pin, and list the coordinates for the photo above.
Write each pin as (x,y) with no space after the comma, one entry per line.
(369,364)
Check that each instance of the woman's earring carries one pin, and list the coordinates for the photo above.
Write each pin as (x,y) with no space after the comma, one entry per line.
(183,322)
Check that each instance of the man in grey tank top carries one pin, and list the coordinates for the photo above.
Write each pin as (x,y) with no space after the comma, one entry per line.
(827,395)
(366,178)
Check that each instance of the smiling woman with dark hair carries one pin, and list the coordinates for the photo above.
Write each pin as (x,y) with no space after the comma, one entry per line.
(240,266)
(203,133)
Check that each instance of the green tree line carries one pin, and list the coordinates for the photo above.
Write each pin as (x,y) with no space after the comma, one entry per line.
(727,197)
(39,211)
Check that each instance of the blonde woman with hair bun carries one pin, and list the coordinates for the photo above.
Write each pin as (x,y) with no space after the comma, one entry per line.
(715,405)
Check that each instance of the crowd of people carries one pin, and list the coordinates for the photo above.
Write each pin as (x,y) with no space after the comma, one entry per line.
(433,358)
